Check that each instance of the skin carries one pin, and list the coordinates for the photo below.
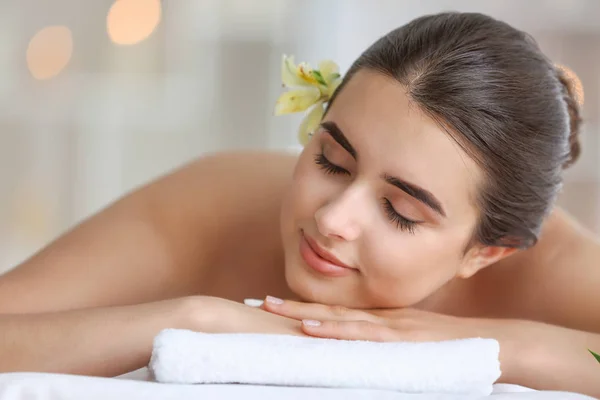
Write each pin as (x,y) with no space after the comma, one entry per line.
(183,250)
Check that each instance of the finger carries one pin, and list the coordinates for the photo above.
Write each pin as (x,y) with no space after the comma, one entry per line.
(315,311)
(351,330)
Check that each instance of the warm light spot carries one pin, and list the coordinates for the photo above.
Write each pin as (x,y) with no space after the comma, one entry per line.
(575,82)
(49,51)
(131,21)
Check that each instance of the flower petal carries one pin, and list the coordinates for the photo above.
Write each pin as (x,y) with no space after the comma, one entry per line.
(289,73)
(310,123)
(329,70)
(296,100)
(305,72)
(332,87)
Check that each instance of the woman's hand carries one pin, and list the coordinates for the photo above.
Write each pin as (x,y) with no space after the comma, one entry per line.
(217,315)
(385,325)
(381,325)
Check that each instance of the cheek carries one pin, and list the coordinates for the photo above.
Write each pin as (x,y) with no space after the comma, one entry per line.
(310,188)
(299,202)
(406,254)
(404,269)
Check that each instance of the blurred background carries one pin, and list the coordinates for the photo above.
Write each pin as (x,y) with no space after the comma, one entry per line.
(100,96)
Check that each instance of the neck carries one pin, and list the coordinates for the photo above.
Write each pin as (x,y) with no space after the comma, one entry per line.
(450,299)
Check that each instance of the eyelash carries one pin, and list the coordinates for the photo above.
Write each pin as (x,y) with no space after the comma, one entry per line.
(402,223)
(328,166)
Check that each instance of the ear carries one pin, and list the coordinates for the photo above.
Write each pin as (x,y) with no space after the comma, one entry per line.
(479,257)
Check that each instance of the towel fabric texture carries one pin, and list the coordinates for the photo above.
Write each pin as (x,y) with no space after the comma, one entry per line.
(466,366)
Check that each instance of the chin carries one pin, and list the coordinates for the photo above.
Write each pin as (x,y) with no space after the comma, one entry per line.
(314,289)
(300,284)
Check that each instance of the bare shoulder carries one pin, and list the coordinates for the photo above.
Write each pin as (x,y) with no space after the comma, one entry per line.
(247,168)
(568,277)
(220,186)
(230,193)
(556,281)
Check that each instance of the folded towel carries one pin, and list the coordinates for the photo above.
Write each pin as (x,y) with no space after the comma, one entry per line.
(468,366)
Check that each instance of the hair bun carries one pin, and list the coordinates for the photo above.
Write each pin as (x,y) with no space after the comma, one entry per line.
(575,119)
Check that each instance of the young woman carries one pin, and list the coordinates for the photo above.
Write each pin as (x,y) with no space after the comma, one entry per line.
(421,209)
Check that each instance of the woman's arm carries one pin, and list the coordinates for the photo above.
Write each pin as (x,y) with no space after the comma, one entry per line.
(101,341)
(111,341)
(549,357)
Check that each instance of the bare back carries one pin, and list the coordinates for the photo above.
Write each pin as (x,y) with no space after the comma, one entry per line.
(210,228)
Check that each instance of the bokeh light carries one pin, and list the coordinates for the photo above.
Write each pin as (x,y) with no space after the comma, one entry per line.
(130,21)
(49,51)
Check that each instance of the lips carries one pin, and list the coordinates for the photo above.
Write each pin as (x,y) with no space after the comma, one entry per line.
(324,254)
(322,261)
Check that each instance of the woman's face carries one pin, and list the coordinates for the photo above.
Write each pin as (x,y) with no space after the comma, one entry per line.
(382,189)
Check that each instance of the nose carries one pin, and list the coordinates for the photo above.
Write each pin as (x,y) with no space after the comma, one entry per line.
(340,218)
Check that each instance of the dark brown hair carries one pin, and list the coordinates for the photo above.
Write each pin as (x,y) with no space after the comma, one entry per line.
(503,101)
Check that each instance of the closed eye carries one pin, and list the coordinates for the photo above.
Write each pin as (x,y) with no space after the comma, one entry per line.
(401,222)
(328,166)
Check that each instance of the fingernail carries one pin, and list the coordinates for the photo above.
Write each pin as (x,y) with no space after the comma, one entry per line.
(274,300)
(311,322)
(253,302)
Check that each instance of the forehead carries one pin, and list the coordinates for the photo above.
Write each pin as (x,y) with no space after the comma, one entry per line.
(391,134)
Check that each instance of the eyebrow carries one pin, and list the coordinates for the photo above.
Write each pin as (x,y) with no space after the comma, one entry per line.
(417,192)
(336,133)
(424,196)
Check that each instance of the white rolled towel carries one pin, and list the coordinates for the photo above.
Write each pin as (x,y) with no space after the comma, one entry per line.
(467,366)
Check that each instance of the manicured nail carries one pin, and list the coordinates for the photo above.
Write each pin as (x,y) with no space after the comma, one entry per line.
(253,302)
(311,322)
(274,300)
